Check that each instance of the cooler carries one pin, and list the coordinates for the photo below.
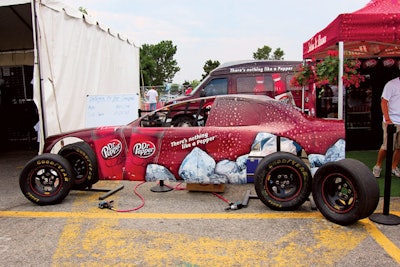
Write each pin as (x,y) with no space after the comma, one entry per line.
(251,164)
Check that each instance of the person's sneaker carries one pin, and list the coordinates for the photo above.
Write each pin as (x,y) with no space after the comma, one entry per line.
(376,171)
(396,172)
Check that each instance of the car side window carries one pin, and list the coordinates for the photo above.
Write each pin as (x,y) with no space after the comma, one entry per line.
(262,84)
(216,87)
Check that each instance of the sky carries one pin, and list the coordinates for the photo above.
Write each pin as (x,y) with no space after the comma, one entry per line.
(218,30)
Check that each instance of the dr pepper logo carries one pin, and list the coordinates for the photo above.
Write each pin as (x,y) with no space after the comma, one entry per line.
(112,149)
(144,149)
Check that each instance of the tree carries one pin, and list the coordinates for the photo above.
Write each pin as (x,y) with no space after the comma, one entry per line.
(83,10)
(209,66)
(278,54)
(157,63)
(265,51)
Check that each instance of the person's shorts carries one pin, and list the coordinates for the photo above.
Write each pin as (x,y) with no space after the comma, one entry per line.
(396,137)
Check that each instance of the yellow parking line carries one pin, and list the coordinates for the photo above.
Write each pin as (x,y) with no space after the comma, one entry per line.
(77,217)
(382,240)
(123,215)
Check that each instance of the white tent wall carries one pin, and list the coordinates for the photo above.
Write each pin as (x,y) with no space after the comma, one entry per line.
(78,58)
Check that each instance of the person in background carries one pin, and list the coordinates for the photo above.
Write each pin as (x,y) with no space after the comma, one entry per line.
(390,104)
(188,90)
(152,96)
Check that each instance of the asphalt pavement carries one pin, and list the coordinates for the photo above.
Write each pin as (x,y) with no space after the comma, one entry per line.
(179,228)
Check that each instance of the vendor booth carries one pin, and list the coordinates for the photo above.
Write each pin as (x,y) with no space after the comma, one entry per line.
(371,35)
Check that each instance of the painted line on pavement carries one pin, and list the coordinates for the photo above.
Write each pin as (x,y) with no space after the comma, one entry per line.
(173,216)
(382,240)
(371,228)
(124,215)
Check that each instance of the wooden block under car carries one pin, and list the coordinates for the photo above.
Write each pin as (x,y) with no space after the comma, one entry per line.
(218,188)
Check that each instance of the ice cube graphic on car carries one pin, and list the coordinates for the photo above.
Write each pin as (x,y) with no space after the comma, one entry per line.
(200,167)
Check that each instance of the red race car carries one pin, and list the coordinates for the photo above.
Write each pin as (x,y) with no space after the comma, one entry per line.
(231,139)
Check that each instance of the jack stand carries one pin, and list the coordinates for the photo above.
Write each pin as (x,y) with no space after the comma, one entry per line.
(247,197)
(160,187)
(109,192)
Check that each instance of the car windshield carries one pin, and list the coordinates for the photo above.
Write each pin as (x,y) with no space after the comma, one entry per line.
(188,113)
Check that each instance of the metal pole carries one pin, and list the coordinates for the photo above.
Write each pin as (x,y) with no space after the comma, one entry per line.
(39,75)
(391,129)
(340,81)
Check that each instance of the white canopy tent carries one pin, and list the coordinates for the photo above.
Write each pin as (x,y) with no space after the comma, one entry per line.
(73,56)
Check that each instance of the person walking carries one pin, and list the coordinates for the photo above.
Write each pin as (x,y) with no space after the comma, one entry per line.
(390,105)
(152,96)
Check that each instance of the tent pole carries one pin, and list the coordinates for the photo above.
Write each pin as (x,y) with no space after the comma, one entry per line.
(340,82)
(38,75)
(303,92)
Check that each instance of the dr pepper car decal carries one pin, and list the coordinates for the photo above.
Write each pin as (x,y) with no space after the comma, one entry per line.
(112,149)
(144,149)
(198,139)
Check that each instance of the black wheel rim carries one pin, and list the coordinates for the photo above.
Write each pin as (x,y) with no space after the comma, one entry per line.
(79,166)
(283,183)
(46,181)
(338,193)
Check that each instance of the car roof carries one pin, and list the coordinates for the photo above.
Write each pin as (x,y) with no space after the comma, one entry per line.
(256,66)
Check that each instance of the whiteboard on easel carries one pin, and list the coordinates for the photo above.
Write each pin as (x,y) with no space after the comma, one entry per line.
(111,110)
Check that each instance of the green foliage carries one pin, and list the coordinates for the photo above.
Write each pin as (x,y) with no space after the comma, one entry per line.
(83,10)
(278,54)
(264,52)
(157,63)
(193,83)
(328,70)
(209,66)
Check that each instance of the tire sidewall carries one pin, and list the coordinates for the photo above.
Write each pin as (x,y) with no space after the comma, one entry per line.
(283,160)
(363,185)
(85,153)
(58,164)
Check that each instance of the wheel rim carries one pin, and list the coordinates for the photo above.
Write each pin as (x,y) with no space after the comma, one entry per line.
(79,165)
(283,183)
(338,193)
(46,181)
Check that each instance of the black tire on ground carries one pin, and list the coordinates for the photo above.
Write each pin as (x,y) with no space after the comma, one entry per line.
(84,164)
(184,121)
(282,181)
(345,191)
(46,179)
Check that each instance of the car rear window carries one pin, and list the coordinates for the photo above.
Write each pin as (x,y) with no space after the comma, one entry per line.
(262,84)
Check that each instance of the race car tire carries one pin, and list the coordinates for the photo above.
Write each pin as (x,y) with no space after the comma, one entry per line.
(84,164)
(345,191)
(282,181)
(46,179)
(184,121)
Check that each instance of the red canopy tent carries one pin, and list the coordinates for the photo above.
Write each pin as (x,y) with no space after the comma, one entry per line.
(370,32)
